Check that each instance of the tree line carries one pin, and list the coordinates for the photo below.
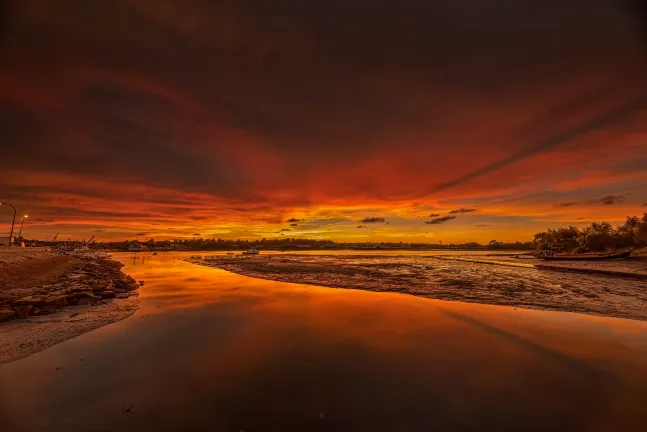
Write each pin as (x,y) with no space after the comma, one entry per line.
(597,237)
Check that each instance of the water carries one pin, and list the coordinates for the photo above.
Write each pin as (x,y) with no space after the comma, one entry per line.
(211,350)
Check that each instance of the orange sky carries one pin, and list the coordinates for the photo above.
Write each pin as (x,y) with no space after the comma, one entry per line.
(166,119)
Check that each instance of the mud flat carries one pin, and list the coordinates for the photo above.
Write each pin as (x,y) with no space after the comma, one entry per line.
(467,280)
(47,298)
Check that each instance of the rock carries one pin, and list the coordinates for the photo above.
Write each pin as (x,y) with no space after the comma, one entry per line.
(29,300)
(46,311)
(23,310)
(107,294)
(6,314)
(55,301)
(83,301)
(122,295)
(141,283)
(132,287)
(120,290)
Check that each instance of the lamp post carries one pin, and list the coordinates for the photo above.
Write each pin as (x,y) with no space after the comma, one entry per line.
(13,222)
(22,220)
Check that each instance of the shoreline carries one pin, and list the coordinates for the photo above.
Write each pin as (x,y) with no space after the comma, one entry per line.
(560,291)
(47,299)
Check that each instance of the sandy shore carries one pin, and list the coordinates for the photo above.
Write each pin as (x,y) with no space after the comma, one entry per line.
(468,281)
(47,298)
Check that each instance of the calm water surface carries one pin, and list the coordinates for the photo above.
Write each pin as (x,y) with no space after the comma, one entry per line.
(210,350)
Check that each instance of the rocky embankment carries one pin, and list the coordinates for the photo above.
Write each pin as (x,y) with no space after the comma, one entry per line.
(92,282)
(47,298)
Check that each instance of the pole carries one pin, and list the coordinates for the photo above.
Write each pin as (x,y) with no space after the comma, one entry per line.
(22,220)
(12,223)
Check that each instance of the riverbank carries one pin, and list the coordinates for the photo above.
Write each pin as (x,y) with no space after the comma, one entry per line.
(473,281)
(47,298)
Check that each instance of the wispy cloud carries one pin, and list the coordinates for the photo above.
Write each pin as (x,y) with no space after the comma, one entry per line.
(294,220)
(373,219)
(294,224)
(566,204)
(440,220)
(609,199)
(463,210)
(285,229)
(361,226)
(434,215)
(481,225)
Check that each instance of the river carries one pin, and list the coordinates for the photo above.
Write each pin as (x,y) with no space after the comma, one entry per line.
(212,350)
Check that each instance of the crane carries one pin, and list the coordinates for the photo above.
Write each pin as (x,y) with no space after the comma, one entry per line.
(55,237)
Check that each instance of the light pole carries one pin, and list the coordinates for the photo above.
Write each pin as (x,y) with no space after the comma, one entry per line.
(13,222)
(22,220)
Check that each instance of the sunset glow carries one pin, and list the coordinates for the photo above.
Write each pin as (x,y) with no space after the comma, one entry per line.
(170,119)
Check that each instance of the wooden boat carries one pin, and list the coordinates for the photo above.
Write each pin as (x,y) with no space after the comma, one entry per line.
(588,256)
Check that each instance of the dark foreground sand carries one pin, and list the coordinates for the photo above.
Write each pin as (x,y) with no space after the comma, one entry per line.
(47,298)
(467,281)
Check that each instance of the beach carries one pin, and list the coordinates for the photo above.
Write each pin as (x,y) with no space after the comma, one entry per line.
(47,298)
(478,278)
(213,350)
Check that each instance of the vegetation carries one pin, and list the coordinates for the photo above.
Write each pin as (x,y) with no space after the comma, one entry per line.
(597,237)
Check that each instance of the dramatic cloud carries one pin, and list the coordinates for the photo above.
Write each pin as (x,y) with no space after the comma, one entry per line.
(227,118)
(463,210)
(440,220)
(373,219)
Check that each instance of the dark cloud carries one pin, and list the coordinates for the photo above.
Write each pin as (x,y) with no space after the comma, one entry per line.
(608,118)
(197,234)
(294,220)
(566,204)
(434,215)
(285,229)
(140,234)
(463,210)
(481,225)
(609,199)
(580,218)
(373,219)
(294,224)
(361,226)
(440,220)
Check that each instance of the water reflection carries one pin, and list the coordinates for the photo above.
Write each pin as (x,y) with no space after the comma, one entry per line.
(218,351)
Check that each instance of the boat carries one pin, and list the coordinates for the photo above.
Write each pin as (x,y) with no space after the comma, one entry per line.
(251,251)
(587,256)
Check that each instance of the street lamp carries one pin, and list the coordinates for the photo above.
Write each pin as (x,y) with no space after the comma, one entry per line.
(22,220)
(13,222)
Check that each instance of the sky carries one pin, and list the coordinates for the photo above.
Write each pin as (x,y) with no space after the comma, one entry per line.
(421,121)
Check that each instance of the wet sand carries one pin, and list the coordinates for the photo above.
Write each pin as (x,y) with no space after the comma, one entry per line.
(514,284)
(212,350)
